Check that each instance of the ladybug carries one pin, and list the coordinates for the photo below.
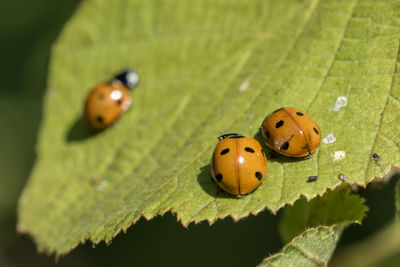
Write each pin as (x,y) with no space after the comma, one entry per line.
(238,164)
(108,100)
(289,131)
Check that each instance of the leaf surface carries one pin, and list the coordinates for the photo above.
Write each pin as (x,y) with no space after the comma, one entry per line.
(314,247)
(207,68)
(397,199)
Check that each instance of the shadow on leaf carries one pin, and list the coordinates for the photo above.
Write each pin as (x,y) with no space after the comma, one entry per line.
(208,185)
(79,131)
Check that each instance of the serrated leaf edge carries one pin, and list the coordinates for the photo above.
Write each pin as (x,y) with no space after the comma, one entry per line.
(291,243)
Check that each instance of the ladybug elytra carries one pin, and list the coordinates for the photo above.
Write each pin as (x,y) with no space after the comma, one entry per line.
(108,100)
(238,164)
(289,131)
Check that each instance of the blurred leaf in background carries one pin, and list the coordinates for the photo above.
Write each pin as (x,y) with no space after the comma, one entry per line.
(381,246)
(313,229)
(333,208)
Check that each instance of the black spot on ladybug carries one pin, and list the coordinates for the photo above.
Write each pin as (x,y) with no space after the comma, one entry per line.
(279,124)
(312,178)
(101,96)
(249,149)
(285,146)
(223,152)
(100,119)
(258,175)
(119,102)
(219,177)
(300,113)
(277,110)
(267,135)
(315,130)
(376,157)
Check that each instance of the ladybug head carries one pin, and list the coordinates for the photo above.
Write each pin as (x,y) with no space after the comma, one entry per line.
(129,78)
(230,135)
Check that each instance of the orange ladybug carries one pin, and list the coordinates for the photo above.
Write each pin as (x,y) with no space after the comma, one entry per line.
(238,164)
(108,100)
(289,131)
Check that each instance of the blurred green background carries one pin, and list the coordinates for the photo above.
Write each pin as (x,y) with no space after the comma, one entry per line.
(27,30)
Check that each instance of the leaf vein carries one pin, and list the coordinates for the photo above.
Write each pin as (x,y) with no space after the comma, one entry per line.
(309,255)
(383,109)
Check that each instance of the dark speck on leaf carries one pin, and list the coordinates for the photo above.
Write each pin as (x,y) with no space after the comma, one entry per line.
(312,178)
(376,157)
(342,177)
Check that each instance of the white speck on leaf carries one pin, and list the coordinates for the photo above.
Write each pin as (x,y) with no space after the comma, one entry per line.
(341,101)
(245,85)
(102,186)
(330,138)
(338,155)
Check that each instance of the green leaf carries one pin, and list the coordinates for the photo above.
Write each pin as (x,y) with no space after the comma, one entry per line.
(314,247)
(371,251)
(382,248)
(334,207)
(208,67)
(316,227)
(397,199)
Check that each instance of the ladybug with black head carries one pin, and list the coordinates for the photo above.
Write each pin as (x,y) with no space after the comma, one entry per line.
(109,100)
